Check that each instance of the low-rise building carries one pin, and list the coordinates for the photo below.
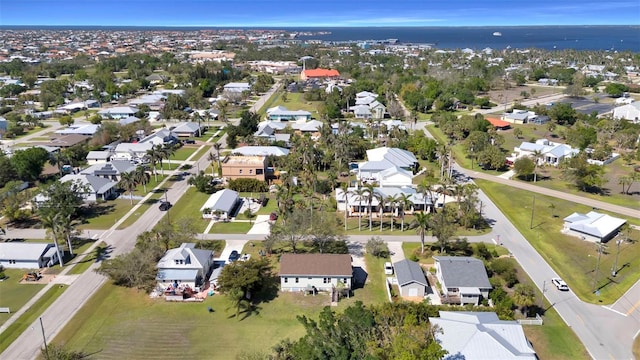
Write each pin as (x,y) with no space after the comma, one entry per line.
(481,336)
(592,226)
(411,280)
(220,205)
(184,266)
(315,272)
(23,255)
(97,187)
(464,279)
(281,113)
(247,167)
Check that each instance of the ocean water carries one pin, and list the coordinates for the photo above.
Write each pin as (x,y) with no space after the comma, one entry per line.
(621,38)
(614,38)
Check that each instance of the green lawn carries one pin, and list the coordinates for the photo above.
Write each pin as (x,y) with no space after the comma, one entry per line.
(103,216)
(295,101)
(232,227)
(573,258)
(32,131)
(352,227)
(124,323)
(183,153)
(91,258)
(21,324)
(202,152)
(139,191)
(189,206)
(412,250)
(14,294)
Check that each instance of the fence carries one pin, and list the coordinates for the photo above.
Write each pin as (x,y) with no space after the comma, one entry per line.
(530,321)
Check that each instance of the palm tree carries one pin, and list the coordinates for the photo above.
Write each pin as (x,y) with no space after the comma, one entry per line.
(57,159)
(421,224)
(169,151)
(217,146)
(370,195)
(393,203)
(141,177)
(458,192)
(67,229)
(537,155)
(159,154)
(382,202)
(128,183)
(223,108)
(405,202)
(426,188)
(345,195)
(153,156)
(211,157)
(360,193)
(50,222)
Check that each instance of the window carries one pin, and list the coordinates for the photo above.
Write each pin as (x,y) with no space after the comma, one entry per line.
(326,280)
(240,171)
(251,171)
(297,280)
(259,171)
(286,280)
(344,280)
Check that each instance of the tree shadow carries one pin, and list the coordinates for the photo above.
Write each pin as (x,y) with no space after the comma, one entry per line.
(151,201)
(94,211)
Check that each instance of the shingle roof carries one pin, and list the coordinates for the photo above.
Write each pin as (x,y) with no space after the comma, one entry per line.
(463,271)
(408,271)
(316,264)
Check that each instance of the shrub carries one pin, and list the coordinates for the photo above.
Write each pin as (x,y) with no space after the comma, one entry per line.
(377,247)
(248,185)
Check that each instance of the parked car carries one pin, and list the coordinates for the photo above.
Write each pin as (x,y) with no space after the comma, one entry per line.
(388,268)
(234,256)
(189,141)
(165,205)
(560,284)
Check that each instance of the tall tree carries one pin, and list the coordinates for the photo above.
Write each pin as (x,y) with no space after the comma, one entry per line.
(421,222)
(141,177)
(370,196)
(29,163)
(442,230)
(128,183)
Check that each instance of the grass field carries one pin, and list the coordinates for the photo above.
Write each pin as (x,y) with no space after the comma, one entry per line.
(22,323)
(413,249)
(14,294)
(103,216)
(295,101)
(189,206)
(91,258)
(352,227)
(232,227)
(183,153)
(574,259)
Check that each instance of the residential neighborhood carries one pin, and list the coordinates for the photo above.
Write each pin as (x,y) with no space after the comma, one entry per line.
(274,190)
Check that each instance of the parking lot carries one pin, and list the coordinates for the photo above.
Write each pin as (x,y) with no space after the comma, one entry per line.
(587,105)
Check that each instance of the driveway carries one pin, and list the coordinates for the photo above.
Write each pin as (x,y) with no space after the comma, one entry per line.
(360,273)
(395,250)
(236,245)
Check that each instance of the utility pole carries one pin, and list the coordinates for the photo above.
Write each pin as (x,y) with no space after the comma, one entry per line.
(44,339)
(595,277)
(533,206)
(614,269)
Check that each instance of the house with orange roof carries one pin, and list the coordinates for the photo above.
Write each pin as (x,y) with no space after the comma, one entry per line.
(499,124)
(319,74)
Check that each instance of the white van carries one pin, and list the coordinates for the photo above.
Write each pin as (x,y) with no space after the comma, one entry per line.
(388,268)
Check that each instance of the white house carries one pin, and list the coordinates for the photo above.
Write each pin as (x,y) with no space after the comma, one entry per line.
(220,204)
(130,151)
(315,272)
(260,151)
(97,157)
(481,336)
(592,226)
(464,279)
(188,129)
(518,116)
(551,153)
(237,87)
(354,203)
(97,186)
(184,266)
(630,112)
(118,112)
(401,158)
(281,113)
(80,129)
(24,255)
(112,170)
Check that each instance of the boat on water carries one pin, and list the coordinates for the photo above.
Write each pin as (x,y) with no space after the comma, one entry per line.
(497,33)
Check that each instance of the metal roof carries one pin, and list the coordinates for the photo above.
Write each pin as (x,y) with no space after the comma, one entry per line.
(408,272)
(23,251)
(223,200)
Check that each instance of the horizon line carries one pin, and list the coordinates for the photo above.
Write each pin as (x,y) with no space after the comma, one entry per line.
(311,26)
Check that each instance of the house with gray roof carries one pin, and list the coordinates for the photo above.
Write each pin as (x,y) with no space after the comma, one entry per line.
(481,336)
(220,205)
(128,120)
(80,129)
(184,266)
(111,170)
(592,226)
(188,129)
(551,153)
(118,112)
(23,255)
(130,151)
(464,279)
(97,157)
(399,157)
(96,187)
(411,280)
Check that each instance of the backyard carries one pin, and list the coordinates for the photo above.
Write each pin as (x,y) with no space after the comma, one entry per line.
(295,101)
(14,294)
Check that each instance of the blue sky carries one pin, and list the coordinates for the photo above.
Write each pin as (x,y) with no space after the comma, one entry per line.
(288,13)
